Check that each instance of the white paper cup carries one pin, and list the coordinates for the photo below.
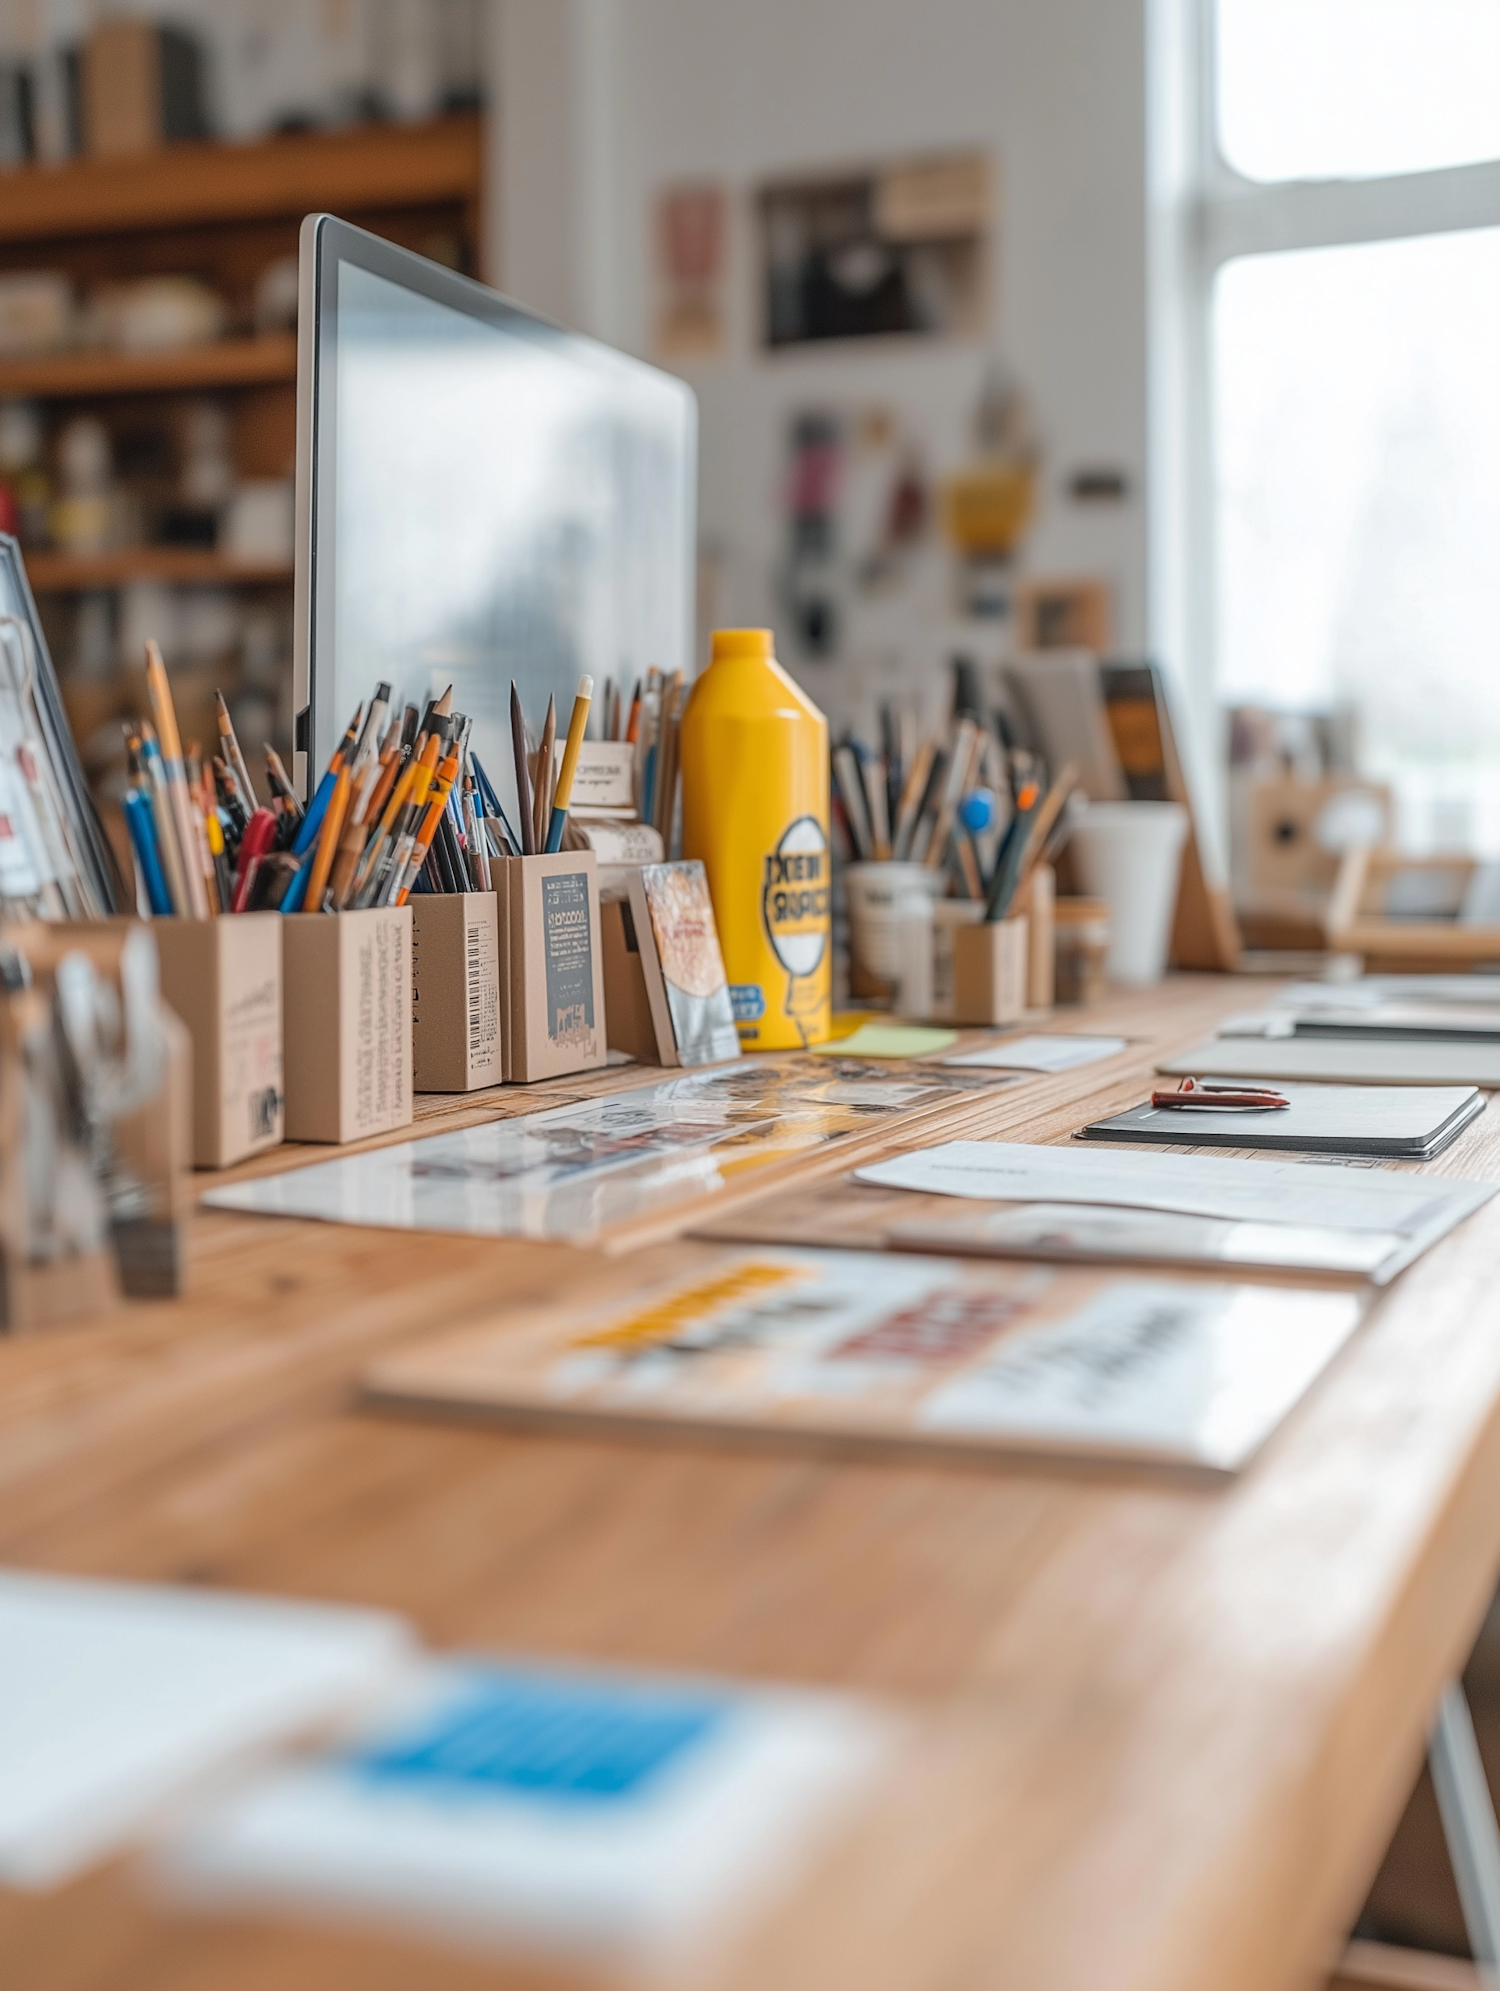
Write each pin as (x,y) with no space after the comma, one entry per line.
(881,898)
(1130,854)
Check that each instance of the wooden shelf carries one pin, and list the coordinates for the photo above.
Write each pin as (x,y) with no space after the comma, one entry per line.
(64,573)
(230,363)
(368,168)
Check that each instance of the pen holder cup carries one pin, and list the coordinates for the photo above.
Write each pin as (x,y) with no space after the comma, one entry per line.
(225,979)
(455,991)
(879,898)
(551,965)
(989,971)
(347,1009)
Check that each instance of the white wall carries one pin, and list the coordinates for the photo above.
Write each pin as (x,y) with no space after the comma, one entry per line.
(716,89)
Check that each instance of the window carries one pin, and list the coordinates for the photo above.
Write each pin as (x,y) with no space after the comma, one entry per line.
(1347,234)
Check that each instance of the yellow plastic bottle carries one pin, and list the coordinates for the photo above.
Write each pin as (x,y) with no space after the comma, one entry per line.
(755,809)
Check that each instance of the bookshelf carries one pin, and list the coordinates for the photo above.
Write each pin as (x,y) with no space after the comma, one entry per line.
(223,214)
(236,362)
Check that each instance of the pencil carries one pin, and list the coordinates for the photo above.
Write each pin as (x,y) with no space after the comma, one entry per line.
(233,758)
(542,794)
(563,796)
(165,715)
(523,780)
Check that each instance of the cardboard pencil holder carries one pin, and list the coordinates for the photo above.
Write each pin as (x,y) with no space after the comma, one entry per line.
(455,991)
(629,1025)
(224,979)
(347,1006)
(989,972)
(551,968)
(1039,903)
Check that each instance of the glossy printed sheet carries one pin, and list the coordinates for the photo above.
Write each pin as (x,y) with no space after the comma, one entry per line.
(904,1351)
(576,1170)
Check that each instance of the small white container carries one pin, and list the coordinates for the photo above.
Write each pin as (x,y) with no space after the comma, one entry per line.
(882,898)
(1130,854)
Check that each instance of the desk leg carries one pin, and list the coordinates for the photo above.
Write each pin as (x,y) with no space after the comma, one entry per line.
(1468,1824)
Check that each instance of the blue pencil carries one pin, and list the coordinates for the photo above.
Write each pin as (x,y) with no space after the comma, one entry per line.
(142,827)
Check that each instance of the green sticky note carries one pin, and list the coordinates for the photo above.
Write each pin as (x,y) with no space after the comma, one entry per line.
(890,1040)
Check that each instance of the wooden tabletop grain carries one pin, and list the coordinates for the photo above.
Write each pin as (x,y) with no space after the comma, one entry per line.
(1163,1730)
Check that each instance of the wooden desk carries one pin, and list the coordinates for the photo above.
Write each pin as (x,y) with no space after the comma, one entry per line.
(1166,1730)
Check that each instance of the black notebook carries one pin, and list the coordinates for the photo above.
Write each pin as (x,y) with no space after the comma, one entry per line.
(1381,1122)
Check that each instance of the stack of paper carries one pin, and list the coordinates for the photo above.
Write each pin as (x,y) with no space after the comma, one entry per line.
(1200,1209)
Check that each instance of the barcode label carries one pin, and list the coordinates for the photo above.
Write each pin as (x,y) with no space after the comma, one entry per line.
(483,997)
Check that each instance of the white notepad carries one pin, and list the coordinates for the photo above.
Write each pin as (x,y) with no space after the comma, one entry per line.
(114,1696)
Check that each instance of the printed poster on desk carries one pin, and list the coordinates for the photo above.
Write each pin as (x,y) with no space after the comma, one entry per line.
(575,1171)
(896,1352)
(684,970)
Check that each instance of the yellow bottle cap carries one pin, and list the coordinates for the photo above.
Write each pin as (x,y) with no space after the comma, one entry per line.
(743,643)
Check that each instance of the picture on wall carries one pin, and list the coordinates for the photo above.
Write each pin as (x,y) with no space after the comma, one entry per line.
(900,248)
(692,228)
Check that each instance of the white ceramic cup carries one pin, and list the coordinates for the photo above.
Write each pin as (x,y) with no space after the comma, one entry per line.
(1130,853)
(882,897)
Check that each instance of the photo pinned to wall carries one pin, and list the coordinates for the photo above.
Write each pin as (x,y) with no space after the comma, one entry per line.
(692,258)
(897,248)
(859,511)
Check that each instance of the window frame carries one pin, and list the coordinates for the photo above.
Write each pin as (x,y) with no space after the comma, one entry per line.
(1206,214)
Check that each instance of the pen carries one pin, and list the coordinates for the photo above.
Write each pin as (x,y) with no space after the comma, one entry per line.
(1201,1094)
(563,796)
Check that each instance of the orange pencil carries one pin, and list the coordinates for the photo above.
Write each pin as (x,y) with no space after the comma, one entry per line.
(442,788)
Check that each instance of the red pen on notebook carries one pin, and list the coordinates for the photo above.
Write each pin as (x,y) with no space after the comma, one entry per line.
(1207,1097)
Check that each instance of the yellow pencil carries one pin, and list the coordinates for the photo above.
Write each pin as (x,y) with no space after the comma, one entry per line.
(564,791)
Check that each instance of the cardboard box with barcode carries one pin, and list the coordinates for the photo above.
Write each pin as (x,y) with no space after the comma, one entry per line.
(224,979)
(347,1020)
(455,991)
(551,965)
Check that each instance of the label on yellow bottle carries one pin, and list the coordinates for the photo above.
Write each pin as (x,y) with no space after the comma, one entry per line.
(795,908)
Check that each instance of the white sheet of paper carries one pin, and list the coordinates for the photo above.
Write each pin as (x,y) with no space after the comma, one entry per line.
(1164,1370)
(1421,1208)
(560,1809)
(1042,1054)
(1088,1232)
(114,1696)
